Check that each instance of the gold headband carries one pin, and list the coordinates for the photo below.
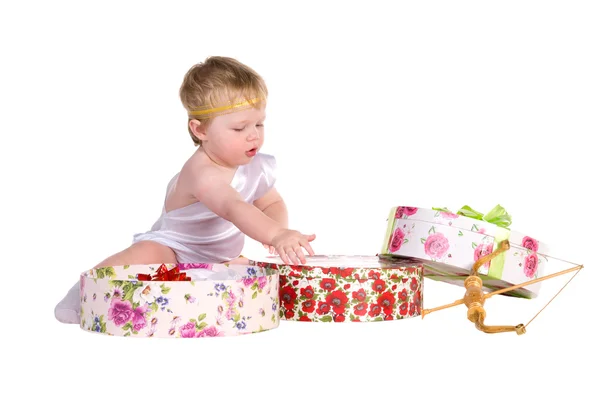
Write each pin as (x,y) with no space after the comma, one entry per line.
(206,111)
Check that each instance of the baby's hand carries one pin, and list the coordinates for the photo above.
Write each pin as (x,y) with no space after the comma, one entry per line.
(288,244)
(269,247)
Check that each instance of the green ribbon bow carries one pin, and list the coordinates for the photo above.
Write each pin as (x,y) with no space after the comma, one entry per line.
(497,216)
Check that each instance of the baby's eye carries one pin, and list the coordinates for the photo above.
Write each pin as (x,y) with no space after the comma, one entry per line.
(238,129)
(260,125)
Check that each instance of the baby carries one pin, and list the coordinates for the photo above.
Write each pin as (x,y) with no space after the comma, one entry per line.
(224,191)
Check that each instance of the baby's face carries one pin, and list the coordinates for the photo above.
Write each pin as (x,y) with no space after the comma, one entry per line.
(238,136)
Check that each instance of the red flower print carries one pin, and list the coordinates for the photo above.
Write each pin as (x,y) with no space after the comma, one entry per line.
(308,306)
(530,243)
(337,300)
(346,286)
(323,308)
(308,292)
(289,314)
(404,308)
(403,295)
(345,273)
(531,265)
(374,275)
(288,296)
(375,310)
(417,300)
(328,284)
(360,309)
(334,270)
(296,268)
(414,284)
(411,311)
(378,286)
(359,295)
(304,318)
(340,318)
(386,301)
(396,240)
(436,245)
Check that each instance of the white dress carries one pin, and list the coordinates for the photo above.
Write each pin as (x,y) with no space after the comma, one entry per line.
(198,235)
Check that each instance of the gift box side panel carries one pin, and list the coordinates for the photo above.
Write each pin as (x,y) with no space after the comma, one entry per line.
(454,251)
(179,308)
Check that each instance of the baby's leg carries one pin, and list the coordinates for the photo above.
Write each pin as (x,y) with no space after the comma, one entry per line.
(142,252)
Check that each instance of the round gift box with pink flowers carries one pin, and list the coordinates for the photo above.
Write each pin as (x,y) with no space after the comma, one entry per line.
(449,245)
(336,288)
(219,300)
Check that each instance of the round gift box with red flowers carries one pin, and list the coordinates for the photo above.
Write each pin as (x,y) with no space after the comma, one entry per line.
(335,288)
(449,244)
(164,301)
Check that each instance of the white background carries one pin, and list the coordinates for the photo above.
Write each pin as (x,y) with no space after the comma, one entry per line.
(372,105)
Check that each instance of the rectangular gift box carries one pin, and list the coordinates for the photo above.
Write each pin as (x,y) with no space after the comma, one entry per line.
(449,244)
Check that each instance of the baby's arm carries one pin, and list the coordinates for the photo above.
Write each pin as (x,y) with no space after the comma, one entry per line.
(226,202)
(273,206)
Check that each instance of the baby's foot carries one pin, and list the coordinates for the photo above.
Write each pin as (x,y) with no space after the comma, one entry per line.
(67,310)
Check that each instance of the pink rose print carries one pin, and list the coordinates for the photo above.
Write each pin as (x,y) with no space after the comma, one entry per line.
(210,332)
(531,265)
(186,266)
(188,330)
(530,243)
(397,239)
(483,250)
(139,317)
(262,282)
(448,215)
(436,245)
(120,311)
(408,211)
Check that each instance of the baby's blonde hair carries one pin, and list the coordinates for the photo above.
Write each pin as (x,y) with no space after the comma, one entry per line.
(218,81)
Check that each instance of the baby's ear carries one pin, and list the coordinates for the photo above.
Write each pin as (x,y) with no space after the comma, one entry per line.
(198,129)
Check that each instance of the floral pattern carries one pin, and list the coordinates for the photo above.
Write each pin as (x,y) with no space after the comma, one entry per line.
(449,245)
(326,293)
(114,302)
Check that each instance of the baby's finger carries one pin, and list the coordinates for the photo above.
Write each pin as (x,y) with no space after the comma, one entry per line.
(292,255)
(283,256)
(300,255)
(307,247)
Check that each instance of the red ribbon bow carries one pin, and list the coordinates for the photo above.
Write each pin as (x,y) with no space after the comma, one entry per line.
(162,274)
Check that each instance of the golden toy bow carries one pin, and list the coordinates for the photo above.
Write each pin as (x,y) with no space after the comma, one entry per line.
(474,297)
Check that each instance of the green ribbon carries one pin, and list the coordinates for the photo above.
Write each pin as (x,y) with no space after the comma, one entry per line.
(498,215)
